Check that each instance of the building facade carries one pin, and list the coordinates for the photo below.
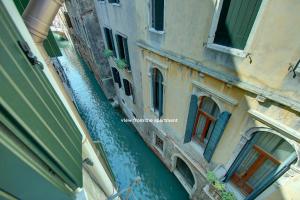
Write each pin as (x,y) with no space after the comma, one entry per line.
(86,36)
(223,77)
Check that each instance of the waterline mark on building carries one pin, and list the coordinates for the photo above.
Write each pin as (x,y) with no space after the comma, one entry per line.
(149,120)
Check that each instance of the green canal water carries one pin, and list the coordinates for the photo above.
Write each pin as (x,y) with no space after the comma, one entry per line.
(126,152)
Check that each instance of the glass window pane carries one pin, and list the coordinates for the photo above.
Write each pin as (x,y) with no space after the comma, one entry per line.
(262,173)
(200,126)
(210,107)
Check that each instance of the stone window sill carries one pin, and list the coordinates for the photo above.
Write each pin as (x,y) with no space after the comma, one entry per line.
(228,50)
(115,4)
(151,29)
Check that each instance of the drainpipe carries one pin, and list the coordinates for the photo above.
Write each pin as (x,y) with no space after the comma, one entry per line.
(38,17)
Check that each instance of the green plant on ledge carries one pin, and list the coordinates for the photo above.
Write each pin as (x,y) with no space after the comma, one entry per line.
(219,186)
(107,53)
(121,63)
(227,196)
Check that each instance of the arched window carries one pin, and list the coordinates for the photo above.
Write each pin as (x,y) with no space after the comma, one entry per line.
(207,114)
(157,91)
(262,160)
(116,76)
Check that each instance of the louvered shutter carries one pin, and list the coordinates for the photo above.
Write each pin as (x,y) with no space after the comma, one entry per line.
(191,118)
(33,112)
(216,135)
(236,21)
(245,150)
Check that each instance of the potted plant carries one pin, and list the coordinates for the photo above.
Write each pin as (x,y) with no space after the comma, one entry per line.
(121,63)
(217,189)
(107,53)
(227,196)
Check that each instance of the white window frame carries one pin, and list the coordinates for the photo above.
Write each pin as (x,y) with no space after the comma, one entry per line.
(152,63)
(152,29)
(233,51)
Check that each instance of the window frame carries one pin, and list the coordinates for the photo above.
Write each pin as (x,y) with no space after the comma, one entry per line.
(116,2)
(151,28)
(119,77)
(125,82)
(245,139)
(156,110)
(126,55)
(163,67)
(209,119)
(112,40)
(230,50)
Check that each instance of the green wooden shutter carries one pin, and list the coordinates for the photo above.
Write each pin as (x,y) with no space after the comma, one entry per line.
(236,21)
(50,44)
(191,118)
(158,6)
(32,110)
(125,44)
(216,135)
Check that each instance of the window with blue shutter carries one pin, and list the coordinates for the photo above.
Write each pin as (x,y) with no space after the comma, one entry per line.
(157,12)
(262,160)
(157,91)
(191,118)
(207,114)
(236,21)
(123,49)
(216,134)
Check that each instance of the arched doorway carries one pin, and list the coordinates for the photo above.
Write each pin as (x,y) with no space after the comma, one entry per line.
(185,172)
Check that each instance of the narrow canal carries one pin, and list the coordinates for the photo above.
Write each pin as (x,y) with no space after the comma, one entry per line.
(127,153)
